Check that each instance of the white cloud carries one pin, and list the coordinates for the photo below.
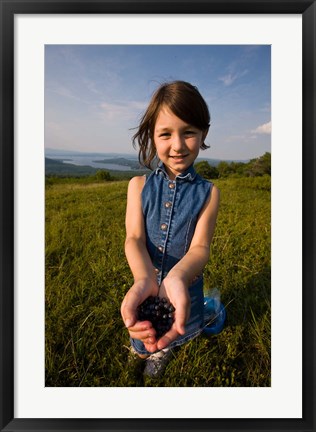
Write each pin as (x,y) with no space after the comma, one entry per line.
(228,79)
(263,129)
(231,77)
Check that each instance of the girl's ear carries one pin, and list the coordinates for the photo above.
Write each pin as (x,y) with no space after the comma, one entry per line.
(204,135)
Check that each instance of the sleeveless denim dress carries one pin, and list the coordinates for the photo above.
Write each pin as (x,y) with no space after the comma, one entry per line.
(171,209)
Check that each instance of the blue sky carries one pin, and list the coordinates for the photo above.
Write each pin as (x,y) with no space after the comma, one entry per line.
(96,94)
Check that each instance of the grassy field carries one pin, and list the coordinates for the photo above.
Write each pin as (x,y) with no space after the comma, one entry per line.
(87,277)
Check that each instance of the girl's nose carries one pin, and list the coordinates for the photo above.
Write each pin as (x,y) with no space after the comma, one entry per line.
(177,143)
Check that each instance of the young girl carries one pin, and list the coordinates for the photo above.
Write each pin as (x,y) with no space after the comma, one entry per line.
(170,221)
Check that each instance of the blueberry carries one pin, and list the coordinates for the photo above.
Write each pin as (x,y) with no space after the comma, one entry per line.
(159,311)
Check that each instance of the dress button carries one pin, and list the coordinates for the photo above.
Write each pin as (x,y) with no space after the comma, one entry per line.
(160,248)
(168,204)
(156,270)
(164,226)
(171,185)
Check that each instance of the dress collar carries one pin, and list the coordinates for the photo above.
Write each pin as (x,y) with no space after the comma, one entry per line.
(188,175)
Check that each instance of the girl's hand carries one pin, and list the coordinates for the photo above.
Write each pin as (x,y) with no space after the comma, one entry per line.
(142,330)
(176,290)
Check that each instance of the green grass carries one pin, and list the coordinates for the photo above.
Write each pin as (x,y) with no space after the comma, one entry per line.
(87,277)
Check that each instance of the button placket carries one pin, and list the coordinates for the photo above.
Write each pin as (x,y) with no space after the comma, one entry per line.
(167,210)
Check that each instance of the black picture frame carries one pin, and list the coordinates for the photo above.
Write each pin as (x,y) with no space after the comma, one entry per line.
(8,9)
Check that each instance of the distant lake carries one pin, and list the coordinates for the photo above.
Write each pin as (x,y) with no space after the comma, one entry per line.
(90,161)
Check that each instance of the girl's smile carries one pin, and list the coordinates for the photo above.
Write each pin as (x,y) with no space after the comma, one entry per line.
(177,143)
(179,159)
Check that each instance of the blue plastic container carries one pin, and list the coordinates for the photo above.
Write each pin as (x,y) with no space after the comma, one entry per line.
(214,316)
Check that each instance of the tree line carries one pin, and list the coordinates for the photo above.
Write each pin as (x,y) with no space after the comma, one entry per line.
(254,168)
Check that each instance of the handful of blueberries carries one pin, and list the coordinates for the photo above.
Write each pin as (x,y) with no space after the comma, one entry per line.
(159,311)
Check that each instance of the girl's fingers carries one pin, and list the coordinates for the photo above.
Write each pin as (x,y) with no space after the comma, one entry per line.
(167,338)
(146,335)
(181,317)
(128,308)
(151,347)
(144,331)
(140,326)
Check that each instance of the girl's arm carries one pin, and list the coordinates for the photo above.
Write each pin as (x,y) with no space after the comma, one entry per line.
(145,281)
(175,285)
(193,263)
(135,242)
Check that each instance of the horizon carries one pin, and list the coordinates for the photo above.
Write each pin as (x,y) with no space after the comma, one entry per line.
(70,152)
(91,106)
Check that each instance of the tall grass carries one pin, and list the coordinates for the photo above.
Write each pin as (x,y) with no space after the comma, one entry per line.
(87,277)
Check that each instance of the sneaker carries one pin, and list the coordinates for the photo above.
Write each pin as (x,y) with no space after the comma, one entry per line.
(156,363)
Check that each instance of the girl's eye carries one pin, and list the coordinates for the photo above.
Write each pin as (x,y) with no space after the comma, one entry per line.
(165,134)
(189,132)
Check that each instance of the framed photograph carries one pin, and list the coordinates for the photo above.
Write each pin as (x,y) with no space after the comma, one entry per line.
(37,40)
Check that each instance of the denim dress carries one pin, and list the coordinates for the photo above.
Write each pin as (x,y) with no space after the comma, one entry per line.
(171,209)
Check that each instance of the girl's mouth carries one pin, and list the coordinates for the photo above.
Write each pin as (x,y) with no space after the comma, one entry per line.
(179,157)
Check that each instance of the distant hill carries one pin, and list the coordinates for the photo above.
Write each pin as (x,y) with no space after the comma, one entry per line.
(122,157)
(57,167)
(131,163)
(55,163)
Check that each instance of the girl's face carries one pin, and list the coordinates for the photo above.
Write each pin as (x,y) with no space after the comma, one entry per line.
(177,143)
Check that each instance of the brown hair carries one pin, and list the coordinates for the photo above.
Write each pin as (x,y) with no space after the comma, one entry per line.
(185,101)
